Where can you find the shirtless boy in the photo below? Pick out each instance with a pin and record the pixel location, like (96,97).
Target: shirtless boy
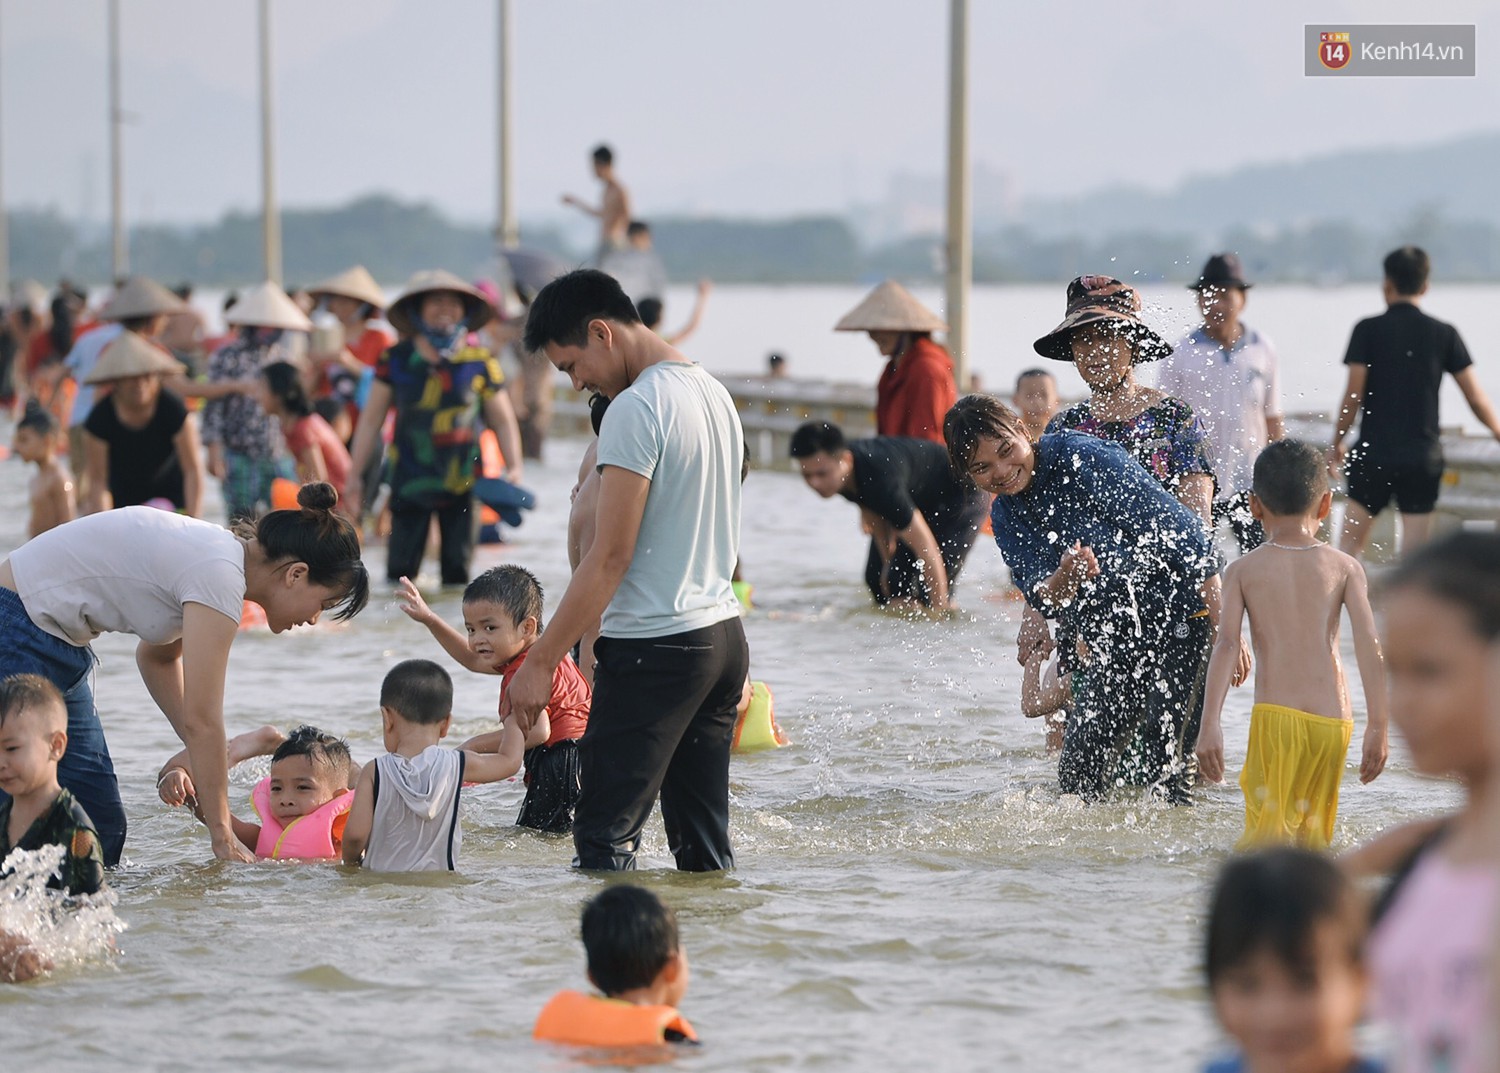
(613,212)
(51,491)
(1294,588)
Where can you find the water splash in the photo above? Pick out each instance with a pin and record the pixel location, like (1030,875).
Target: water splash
(67,931)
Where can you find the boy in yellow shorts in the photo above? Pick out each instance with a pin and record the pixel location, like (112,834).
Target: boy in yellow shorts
(1295,588)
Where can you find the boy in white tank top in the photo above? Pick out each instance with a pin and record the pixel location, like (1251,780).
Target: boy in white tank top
(405,812)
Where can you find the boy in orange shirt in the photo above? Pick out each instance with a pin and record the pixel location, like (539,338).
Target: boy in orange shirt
(503,619)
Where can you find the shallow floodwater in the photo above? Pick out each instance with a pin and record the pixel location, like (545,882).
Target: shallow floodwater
(910,892)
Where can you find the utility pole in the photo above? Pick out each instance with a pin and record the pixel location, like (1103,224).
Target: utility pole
(960,259)
(270,215)
(506,229)
(120,255)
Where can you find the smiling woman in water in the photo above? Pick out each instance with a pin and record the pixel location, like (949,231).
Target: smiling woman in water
(1095,543)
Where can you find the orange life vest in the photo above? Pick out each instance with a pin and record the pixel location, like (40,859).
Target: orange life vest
(592,1021)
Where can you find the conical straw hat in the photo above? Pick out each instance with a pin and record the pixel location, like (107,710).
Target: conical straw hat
(356,283)
(141,297)
(266,305)
(131,355)
(890,307)
(403,312)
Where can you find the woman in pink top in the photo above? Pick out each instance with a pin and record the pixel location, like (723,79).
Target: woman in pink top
(320,454)
(1432,951)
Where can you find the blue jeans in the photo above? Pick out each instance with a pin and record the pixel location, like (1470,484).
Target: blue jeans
(85,768)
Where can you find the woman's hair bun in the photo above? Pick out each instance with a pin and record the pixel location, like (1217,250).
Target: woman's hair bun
(317,495)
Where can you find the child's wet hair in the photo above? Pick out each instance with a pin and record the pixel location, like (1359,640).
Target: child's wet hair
(1274,900)
(629,934)
(37,419)
(285,383)
(598,404)
(1290,477)
(32,693)
(509,586)
(317,535)
(419,691)
(323,749)
(1463,569)
(974,418)
(650,310)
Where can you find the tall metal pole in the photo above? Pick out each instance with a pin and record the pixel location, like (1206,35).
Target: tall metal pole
(960,247)
(4,228)
(270,215)
(506,229)
(120,256)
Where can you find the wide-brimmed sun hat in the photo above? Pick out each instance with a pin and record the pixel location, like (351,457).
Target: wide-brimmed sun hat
(1222,270)
(131,355)
(141,297)
(890,307)
(404,310)
(266,305)
(1092,299)
(356,283)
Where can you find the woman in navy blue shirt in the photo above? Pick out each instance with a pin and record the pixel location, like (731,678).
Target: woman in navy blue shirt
(1094,541)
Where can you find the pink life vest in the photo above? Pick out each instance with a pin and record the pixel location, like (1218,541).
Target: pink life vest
(307,838)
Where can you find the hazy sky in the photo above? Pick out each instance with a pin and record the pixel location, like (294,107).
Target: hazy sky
(746,107)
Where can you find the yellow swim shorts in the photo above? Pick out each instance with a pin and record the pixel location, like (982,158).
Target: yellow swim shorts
(1291,776)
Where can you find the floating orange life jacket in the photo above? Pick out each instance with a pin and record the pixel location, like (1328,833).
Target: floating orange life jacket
(592,1021)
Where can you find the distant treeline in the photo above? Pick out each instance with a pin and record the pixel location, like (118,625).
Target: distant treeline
(393,239)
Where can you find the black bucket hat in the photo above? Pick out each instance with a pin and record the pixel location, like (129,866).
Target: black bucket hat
(1222,270)
(1095,298)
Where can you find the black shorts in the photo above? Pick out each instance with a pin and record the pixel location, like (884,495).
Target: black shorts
(552,787)
(1374,483)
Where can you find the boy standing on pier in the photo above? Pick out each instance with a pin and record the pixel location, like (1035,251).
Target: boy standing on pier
(1396,365)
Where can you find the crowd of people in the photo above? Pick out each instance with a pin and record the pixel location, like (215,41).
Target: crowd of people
(1106,513)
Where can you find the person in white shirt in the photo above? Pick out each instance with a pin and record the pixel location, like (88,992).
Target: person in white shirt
(1229,374)
(179,584)
(671,660)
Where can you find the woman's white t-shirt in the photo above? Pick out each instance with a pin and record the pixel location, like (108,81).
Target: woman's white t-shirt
(129,570)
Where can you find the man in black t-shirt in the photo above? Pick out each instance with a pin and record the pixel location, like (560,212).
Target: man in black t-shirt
(922,520)
(1396,364)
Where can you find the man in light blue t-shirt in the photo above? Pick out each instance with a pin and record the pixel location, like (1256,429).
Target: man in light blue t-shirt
(671,659)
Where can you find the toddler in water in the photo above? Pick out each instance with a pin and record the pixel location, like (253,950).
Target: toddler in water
(503,619)
(1285,964)
(34,810)
(1431,954)
(302,805)
(637,960)
(405,814)
(1294,587)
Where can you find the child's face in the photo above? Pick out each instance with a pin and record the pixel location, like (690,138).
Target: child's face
(1036,396)
(300,786)
(494,635)
(30,445)
(1435,663)
(1294,1018)
(29,752)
